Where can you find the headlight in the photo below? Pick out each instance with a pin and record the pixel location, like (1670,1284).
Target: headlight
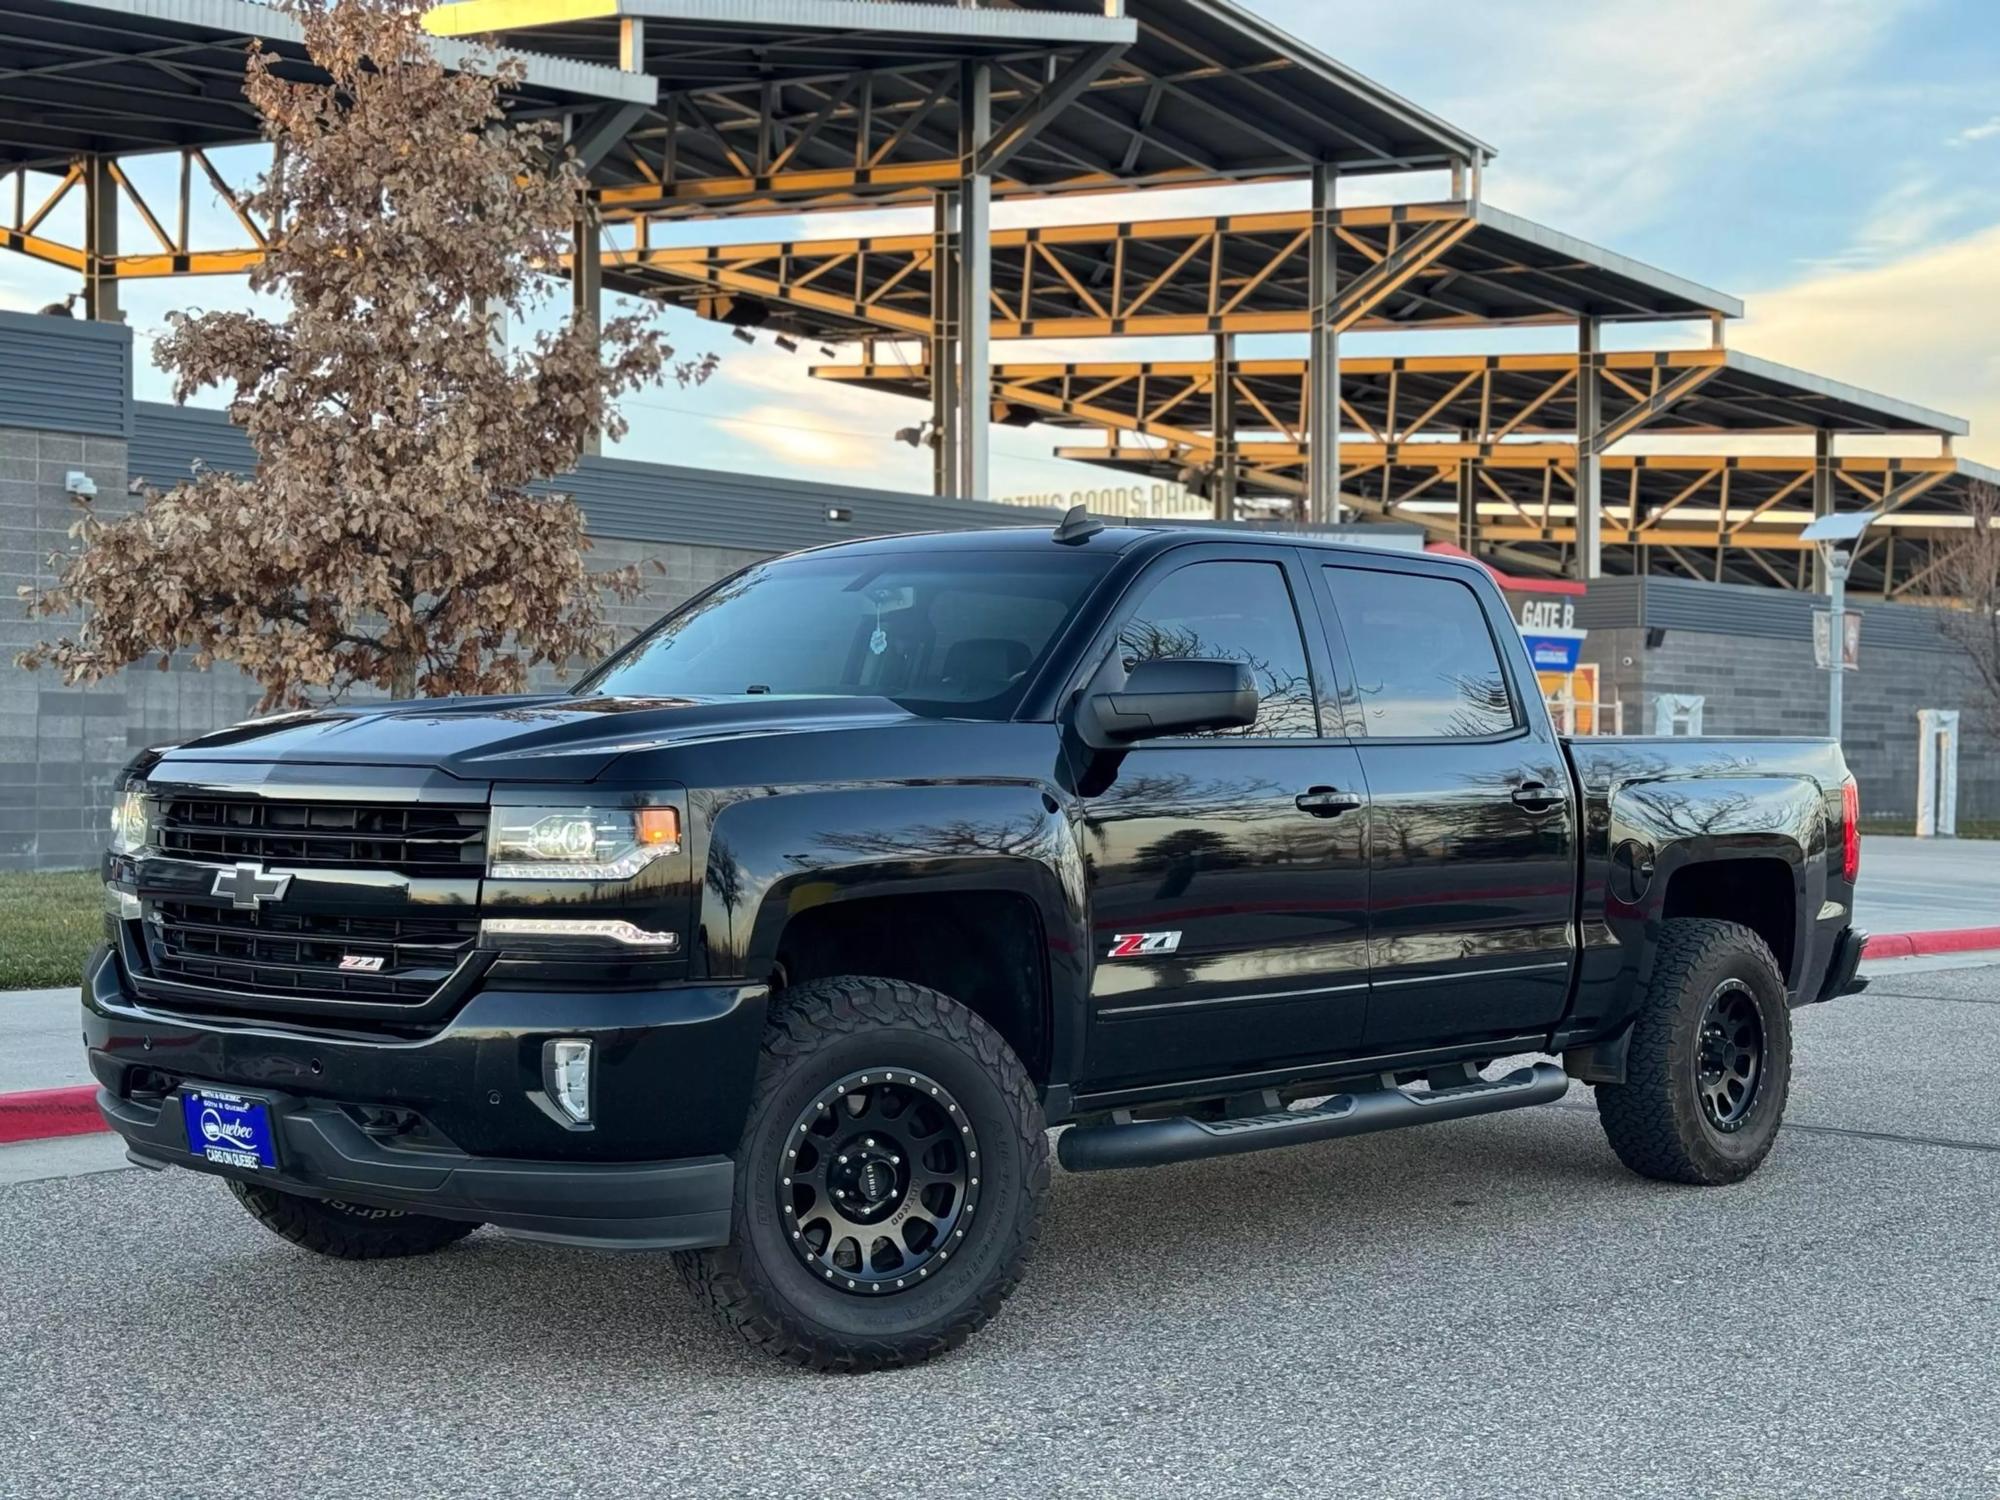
(131,822)
(580,843)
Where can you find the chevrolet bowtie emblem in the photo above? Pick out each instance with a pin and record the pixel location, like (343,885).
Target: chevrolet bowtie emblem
(249,887)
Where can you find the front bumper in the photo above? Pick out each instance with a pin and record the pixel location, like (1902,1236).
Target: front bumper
(455,1124)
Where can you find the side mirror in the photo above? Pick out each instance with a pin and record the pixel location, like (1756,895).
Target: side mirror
(1162,698)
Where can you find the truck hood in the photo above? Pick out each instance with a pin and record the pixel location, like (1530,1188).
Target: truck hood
(555,738)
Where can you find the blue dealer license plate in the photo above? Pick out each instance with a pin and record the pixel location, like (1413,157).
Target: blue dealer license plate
(229,1129)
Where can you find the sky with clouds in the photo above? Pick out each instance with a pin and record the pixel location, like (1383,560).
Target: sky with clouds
(1836,163)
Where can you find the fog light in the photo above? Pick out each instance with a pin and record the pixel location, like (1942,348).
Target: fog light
(566,1076)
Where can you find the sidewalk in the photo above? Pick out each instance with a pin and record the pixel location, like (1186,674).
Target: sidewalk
(41,1042)
(1927,885)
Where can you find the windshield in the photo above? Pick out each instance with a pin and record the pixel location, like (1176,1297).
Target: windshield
(947,634)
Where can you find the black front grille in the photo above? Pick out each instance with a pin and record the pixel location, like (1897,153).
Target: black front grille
(270,951)
(411,840)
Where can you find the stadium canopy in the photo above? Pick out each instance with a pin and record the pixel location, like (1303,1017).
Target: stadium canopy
(1429,265)
(1483,399)
(108,77)
(789,103)
(84,83)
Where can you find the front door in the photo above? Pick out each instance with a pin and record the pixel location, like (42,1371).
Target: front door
(1228,872)
(1472,833)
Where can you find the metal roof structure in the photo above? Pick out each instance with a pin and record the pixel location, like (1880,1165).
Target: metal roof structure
(1483,398)
(1729,518)
(114,76)
(1482,449)
(86,82)
(687,109)
(1427,265)
(769,103)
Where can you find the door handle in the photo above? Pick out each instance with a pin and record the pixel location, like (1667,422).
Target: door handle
(1536,798)
(1325,802)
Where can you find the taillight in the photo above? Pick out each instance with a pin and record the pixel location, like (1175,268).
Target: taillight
(1850,833)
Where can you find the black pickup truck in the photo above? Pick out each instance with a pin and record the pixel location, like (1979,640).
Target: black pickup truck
(782,940)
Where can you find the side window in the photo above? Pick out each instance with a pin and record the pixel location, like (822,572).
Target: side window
(1425,664)
(1230,611)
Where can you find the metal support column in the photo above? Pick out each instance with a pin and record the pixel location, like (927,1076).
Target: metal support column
(1467,489)
(975,283)
(1589,458)
(1322,421)
(1822,501)
(1222,421)
(100,241)
(1836,562)
(944,353)
(586,286)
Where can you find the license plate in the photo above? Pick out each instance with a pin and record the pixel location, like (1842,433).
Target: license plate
(229,1129)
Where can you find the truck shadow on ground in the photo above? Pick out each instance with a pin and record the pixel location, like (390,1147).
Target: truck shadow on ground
(1222,1237)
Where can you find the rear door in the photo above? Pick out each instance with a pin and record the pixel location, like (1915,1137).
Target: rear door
(1472,829)
(1227,870)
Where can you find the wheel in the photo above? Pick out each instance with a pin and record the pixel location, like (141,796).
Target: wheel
(889,1183)
(1710,1063)
(346,1231)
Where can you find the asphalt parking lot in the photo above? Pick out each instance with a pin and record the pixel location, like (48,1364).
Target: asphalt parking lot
(1486,1308)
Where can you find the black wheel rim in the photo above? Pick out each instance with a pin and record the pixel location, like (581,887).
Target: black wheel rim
(1730,1063)
(878,1181)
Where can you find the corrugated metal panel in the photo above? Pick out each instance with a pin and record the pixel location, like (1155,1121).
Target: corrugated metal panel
(65,375)
(1612,604)
(643,502)
(703,507)
(1740,609)
(167,441)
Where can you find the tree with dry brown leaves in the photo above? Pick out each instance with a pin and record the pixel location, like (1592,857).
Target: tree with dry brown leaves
(390,534)
(1966,580)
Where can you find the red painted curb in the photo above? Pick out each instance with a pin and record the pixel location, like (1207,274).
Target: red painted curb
(41,1114)
(1919,944)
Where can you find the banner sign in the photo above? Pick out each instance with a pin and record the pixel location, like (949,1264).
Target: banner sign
(1850,640)
(1554,650)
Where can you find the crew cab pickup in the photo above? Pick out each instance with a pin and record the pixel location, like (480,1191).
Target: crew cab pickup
(782,941)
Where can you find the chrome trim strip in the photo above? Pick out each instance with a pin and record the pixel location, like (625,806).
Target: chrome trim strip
(1472,974)
(1111,1011)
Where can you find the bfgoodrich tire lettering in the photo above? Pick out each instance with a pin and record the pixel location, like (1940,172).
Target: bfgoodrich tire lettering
(822,1038)
(346,1231)
(1710,1063)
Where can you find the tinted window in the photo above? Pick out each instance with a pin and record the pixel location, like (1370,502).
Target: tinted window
(1230,611)
(953,635)
(1424,661)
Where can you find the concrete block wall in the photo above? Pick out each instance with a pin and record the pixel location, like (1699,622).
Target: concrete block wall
(60,747)
(1761,686)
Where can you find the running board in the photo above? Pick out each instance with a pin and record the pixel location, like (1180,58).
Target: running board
(1157,1143)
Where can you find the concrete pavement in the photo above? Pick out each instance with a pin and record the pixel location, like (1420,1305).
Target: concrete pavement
(1927,885)
(1491,1307)
(41,1043)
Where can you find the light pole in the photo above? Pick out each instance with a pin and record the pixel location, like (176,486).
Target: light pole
(1837,537)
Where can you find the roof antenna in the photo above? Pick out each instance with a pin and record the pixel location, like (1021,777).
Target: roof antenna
(1078,526)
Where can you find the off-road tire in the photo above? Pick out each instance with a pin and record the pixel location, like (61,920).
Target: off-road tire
(346,1231)
(819,1034)
(1655,1120)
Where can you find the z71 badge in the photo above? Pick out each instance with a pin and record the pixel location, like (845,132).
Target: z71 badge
(366,963)
(1140,944)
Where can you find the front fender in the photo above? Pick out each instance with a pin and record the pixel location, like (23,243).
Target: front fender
(776,852)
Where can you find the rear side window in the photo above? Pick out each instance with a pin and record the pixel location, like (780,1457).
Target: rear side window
(1425,663)
(1230,611)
